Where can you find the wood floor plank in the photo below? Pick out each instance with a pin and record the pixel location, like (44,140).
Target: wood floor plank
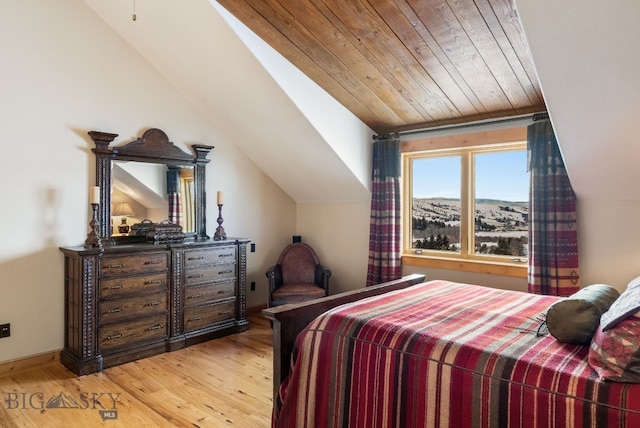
(222,382)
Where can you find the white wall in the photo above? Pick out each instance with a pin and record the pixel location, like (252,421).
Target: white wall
(64,73)
(609,241)
(339,233)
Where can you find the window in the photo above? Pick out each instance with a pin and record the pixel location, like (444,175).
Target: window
(467,204)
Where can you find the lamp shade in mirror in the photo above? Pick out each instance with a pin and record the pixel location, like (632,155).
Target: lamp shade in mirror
(124,210)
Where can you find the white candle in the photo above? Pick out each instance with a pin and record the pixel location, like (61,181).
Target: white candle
(94,195)
(219,197)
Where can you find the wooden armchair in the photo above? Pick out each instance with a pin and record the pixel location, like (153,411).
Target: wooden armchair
(297,276)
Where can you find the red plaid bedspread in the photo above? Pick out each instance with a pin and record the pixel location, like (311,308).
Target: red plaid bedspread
(443,354)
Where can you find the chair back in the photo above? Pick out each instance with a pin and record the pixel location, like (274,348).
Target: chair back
(298,262)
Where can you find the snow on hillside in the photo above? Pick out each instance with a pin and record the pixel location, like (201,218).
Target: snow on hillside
(493,215)
(494,220)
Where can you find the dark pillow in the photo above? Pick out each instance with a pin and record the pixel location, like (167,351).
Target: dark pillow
(576,318)
(615,354)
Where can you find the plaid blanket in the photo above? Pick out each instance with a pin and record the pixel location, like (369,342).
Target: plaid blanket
(443,354)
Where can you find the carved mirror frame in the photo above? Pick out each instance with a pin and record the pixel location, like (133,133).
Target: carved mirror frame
(153,147)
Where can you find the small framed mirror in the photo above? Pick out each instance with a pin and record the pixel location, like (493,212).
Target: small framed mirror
(149,179)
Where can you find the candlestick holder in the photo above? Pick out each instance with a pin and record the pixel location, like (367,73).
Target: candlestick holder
(220,234)
(93,238)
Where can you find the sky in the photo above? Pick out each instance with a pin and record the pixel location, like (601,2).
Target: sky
(499,175)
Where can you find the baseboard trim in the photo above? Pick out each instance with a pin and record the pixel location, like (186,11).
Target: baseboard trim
(33,361)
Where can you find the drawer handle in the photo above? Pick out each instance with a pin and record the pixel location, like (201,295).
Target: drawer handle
(222,272)
(155,327)
(153,304)
(224,312)
(115,287)
(195,258)
(224,291)
(156,281)
(195,319)
(194,296)
(154,262)
(115,310)
(121,265)
(115,336)
(195,276)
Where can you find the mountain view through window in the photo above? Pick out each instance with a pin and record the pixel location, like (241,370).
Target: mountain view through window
(497,183)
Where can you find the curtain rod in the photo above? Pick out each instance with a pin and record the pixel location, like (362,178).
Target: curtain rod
(489,123)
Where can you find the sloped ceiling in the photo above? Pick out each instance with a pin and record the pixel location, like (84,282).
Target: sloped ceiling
(435,62)
(585,56)
(405,64)
(195,49)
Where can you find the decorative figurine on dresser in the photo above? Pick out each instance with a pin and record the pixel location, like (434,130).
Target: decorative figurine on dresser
(163,286)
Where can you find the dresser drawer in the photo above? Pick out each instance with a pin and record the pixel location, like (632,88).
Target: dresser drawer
(209,256)
(116,287)
(201,316)
(132,264)
(200,274)
(208,293)
(113,336)
(132,307)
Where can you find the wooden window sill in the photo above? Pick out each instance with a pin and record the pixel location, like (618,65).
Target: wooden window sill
(475,266)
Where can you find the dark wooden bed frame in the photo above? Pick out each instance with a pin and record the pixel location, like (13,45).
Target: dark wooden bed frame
(289,320)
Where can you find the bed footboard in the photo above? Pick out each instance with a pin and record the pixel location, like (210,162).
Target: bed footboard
(289,320)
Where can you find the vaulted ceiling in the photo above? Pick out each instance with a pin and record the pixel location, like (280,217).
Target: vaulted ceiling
(401,65)
(585,55)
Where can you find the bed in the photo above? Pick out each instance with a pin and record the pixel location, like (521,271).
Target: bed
(436,354)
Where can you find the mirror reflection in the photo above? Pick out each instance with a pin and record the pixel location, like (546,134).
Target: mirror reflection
(151,191)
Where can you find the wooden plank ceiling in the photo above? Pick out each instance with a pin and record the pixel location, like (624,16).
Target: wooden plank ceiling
(400,65)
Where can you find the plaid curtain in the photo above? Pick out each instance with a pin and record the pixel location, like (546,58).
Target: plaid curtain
(188,213)
(384,231)
(553,235)
(173,196)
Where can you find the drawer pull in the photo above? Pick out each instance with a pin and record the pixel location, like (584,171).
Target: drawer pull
(155,327)
(154,262)
(115,287)
(224,291)
(194,296)
(118,266)
(223,272)
(157,281)
(195,319)
(115,336)
(224,312)
(195,258)
(115,310)
(195,276)
(153,304)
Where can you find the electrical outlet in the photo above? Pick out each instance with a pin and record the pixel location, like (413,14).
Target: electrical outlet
(5,330)
(253,286)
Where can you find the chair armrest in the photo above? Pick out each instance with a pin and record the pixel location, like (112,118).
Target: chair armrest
(274,275)
(322,275)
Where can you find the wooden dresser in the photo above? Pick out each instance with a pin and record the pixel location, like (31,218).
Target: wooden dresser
(131,301)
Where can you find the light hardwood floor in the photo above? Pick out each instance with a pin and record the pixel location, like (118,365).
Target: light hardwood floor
(224,382)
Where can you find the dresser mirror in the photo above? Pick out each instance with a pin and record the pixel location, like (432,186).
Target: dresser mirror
(143,191)
(149,178)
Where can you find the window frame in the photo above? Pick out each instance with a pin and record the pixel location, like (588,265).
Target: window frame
(465,146)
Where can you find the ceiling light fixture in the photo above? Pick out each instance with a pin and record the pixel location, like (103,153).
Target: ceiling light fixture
(133,16)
